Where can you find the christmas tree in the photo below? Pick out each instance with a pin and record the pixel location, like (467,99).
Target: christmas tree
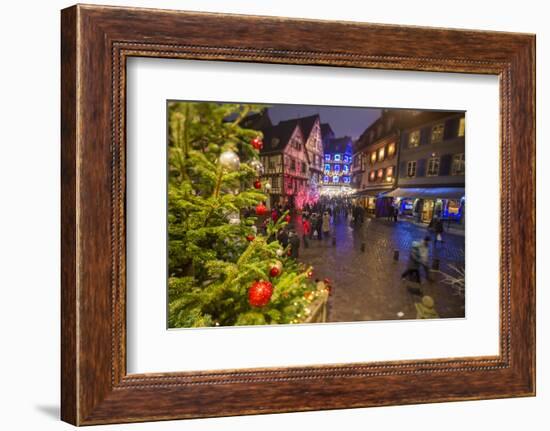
(225,265)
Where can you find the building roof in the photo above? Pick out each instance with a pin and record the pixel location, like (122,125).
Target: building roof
(306,124)
(257,121)
(403,119)
(326,130)
(338,145)
(276,138)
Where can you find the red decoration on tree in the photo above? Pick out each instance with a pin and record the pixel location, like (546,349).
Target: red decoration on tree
(250,237)
(275,269)
(287,218)
(310,274)
(257,184)
(260,293)
(261,209)
(257,143)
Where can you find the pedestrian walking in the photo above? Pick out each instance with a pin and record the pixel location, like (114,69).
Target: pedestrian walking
(418,257)
(326,224)
(294,242)
(306,226)
(438,230)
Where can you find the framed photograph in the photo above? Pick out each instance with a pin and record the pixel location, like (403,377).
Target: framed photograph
(266,215)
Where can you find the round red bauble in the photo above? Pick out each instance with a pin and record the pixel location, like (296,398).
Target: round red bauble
(261,209)
(250,237)
(257,143)
(287,218)
(275,269)
(257,184)
(260,293)
(310,274)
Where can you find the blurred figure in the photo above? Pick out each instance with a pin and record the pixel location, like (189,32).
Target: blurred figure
(326,224)
(418,257)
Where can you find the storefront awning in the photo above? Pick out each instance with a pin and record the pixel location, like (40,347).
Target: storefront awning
(368,193)
(428,193)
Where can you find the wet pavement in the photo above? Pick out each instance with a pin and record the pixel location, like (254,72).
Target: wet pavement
(367,284)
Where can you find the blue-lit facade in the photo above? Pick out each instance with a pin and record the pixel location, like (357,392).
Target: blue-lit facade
(337,162)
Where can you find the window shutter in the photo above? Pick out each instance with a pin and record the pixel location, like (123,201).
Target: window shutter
(451,128)
(421,168)
(425,136)
(445,164)
(403,169)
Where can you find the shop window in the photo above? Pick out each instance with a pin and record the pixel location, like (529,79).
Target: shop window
(453,208)
(459,164)
(411,169)
(462,126)
(372,175)
(414,139)
(389,174)
(437,133)
(433,166)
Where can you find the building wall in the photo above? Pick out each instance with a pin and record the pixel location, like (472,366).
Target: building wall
(443,150)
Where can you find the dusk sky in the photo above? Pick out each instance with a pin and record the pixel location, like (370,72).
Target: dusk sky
(343,121)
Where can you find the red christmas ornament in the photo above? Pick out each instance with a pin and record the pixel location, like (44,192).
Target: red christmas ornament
(250,237)
(287,218)
(257,184)
(260,293)
(257,143)
(261,210)
(310,274)
(275,269)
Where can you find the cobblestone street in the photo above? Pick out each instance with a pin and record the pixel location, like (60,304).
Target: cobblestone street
(367,285)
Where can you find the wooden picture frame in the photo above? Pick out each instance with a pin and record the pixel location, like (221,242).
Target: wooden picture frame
(96,41)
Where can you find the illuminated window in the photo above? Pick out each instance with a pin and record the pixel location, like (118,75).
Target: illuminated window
(336,168)
(391,149)
(389,174)
(414,139)
(373,157)
(347,180)
(381,154)
(325,179)
(345,168)
(461,126)
(372,175)
(411,169)
(380,173)
(335,179)
(437,132)
(433,166)
(327,167)
(459,164)
(337,157)
(327,157)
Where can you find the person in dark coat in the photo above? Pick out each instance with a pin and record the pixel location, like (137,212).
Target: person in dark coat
(438,230)
(294,241)
(282,237)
